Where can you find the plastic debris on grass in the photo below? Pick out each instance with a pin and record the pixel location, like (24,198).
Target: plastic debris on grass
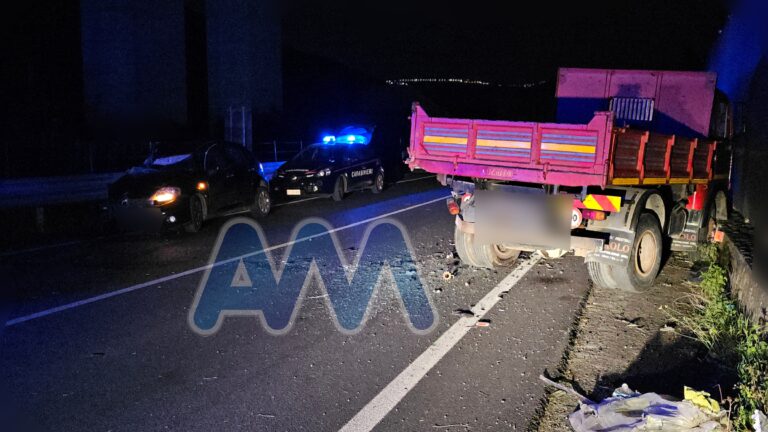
(629,411)
(760,421)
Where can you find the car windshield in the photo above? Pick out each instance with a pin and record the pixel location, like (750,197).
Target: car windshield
(171,156)
(170,160)
(316,153)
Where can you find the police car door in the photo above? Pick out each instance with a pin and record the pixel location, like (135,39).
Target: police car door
(361,170)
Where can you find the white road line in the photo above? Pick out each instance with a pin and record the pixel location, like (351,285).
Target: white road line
(395,391)
(297,201)
(168,278)
(40,248)
(75,242)
(318,197)
(415,179)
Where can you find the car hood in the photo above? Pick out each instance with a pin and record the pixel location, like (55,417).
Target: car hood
(140,182)
(301,167)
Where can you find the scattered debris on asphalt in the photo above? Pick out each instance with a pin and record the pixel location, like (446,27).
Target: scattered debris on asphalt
(464,425)
(464,313)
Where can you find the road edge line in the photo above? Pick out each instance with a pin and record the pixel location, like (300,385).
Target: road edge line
(110,294)
(388,398)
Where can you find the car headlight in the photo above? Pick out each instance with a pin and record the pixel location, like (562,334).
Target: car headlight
(323,173)
(165,195)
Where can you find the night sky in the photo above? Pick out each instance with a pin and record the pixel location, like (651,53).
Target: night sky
(342,48)
(504,43)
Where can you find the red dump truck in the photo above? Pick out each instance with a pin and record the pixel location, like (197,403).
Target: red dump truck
(638,162)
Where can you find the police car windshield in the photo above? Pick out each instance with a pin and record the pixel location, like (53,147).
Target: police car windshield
(316,153)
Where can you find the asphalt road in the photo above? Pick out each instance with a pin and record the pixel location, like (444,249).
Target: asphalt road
(97,335)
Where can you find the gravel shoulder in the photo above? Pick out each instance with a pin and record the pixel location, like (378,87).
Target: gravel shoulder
(631,338)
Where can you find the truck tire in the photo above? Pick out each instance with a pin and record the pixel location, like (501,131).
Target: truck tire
(709,223)
(482,255)
(601,275)
(503,256)
(645,260)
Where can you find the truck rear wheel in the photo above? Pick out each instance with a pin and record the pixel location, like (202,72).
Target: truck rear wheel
(482,255)
(645,260)
(504,256)
(601,275)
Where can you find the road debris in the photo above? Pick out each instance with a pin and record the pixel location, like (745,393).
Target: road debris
(759,421)
(464,313)
(627,410)
(483,323)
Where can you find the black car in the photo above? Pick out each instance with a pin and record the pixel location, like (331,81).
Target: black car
(185,184)
(332,168)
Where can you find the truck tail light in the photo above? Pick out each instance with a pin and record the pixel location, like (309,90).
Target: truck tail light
(453,208)
(594,215)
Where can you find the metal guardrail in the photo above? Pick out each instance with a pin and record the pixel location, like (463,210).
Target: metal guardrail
(47,191)
(44,191)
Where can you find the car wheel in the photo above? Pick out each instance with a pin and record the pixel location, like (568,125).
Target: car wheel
(378,182)
(339,189)
(196,215)
(262,202)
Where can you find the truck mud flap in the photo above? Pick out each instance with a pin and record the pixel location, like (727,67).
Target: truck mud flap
(616,252)
(688,240)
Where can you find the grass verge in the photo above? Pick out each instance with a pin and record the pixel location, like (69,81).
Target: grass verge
(716,320)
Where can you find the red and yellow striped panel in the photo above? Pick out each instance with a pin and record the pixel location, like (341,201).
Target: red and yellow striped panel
(599,202)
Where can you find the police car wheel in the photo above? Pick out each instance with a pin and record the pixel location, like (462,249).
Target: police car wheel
(339,189)
(378,183)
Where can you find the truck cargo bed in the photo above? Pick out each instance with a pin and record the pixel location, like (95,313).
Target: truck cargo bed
(593,154)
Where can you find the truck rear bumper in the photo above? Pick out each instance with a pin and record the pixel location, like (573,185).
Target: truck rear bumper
(581,246)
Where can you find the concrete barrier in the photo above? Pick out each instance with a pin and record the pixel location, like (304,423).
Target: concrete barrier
(751,292)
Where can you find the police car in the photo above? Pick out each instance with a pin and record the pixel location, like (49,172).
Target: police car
(340,164)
